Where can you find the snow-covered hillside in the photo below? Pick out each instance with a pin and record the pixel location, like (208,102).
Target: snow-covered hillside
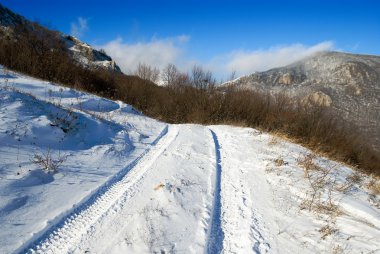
(126,183)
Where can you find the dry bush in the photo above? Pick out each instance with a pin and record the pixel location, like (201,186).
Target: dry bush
(308,165)
(326,231)
(273,141)
(322,183)
(47,161)
(355,177)
(374,186)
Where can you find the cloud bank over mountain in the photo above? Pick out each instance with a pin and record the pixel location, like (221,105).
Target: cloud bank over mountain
(160,52)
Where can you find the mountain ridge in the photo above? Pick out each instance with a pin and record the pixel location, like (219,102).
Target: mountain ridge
(349,83)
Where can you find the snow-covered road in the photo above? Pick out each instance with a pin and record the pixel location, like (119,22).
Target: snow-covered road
(132,184)
(171,209)
(185,194)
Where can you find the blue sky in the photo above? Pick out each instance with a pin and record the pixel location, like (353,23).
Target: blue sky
(223,36)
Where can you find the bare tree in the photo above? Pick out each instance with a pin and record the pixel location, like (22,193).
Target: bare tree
(232,76)
(147,72)
(183,79)
(170,75)
(202,79)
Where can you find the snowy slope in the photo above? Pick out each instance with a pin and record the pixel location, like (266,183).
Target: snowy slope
(131,184)
(31,115)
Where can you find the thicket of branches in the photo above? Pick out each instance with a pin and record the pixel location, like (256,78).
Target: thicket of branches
(189,98)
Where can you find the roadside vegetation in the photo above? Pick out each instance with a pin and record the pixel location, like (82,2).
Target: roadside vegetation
(192,97)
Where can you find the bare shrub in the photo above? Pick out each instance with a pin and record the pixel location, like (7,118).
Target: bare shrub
(307,163)
(326,231)
(147,72)
(273,141)
(48,162)
(322,183)
(374,186)
(354,178)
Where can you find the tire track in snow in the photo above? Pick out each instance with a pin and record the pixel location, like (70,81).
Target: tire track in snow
(242,224)
(215,233)
(63,236)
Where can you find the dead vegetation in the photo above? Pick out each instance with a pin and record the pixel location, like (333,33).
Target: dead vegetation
(49,162)
(273,141)
(322,183)
(191,98)
(326,231)
(319,198)
(374,186)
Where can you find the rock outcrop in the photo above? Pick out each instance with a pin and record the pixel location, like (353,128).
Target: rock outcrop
(317,99)
(88,56)
(286,79)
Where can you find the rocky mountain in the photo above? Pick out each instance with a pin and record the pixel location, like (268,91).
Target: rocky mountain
(88,56)
(80,52)
(348,83)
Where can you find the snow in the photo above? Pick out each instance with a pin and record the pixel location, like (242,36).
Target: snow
(97,149)
(131,184)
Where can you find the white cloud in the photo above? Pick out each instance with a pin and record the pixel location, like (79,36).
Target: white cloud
(160,52)
(183,38)
(79,27)
(245,62)
(157,52)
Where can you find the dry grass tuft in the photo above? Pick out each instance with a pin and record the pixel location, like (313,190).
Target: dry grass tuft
(326,231)
(354,178)
(374,186)
(308,165)
(273,141)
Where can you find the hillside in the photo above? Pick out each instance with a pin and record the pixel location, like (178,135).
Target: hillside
(80,52)
(348,83)
(128,183)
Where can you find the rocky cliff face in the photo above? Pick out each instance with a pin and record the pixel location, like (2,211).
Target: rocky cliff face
(348,83)
(88,56)
(80,52)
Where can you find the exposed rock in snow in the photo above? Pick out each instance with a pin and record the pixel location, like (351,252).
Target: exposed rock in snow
(88,56)
(286,79)
(318,98)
